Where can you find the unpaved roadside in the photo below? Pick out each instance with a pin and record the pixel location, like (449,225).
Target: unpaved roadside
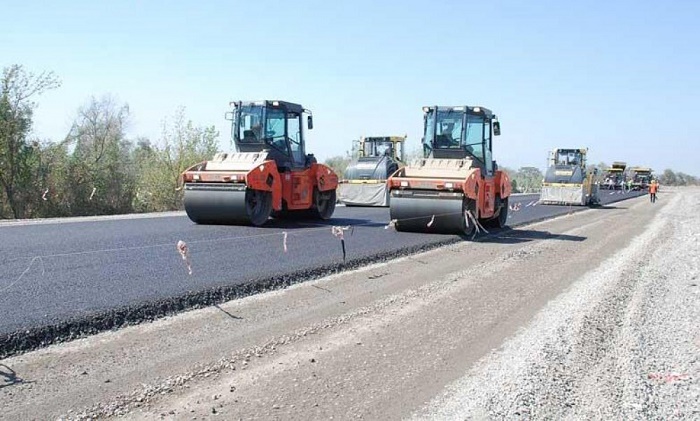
(622,343)
(375,343)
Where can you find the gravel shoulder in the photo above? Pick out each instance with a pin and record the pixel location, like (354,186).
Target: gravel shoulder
(622,343)
(516,325)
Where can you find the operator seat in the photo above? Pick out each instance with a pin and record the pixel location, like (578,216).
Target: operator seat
(249,136)
(443,141)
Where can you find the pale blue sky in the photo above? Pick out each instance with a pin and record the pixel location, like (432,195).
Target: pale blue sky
(618,77)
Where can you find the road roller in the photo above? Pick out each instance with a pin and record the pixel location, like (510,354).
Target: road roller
(568,181)
(364,180)
(456,184)
(269,173)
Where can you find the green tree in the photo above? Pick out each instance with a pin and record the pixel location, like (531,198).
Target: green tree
(339,163)
(17,156)
(101,181)
(182,145)
(528,179)
(691,180)
(668,178)
(681,179)
(51,176)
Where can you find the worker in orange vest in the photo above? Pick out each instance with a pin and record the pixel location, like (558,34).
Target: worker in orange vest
(653,188)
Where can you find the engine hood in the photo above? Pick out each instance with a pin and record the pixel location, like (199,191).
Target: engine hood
(236,161)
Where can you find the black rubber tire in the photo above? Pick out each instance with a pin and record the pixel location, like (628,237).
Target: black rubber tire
(468,228)
(324,203)
(501,220)
(258,206)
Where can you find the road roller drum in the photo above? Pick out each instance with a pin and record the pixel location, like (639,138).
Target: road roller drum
(429,214)
(216,204)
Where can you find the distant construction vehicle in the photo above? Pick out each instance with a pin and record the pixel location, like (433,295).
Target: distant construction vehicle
(640,177)
(364,180)
(457,184)
(567,181)
(269,173)
(614,177)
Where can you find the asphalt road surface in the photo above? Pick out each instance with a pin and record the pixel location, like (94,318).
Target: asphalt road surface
(52,271)
(588,316)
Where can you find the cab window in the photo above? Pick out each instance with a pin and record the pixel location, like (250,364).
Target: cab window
(474,136)
(275,129)
(295,144)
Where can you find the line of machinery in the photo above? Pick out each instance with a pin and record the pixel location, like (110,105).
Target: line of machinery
(621,177)
(454,187)
(569,180)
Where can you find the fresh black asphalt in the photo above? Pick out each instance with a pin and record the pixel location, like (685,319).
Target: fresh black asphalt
(63,280)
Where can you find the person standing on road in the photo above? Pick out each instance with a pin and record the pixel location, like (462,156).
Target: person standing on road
(653,188)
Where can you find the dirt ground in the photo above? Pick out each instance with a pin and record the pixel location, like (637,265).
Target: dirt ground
(590,315)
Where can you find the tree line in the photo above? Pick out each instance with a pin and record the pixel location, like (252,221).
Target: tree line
(671,178)
(96,169)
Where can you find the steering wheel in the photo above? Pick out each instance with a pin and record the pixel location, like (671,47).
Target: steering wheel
(279,143)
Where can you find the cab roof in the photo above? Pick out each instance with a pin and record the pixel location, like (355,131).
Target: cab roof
(472,109)
(289,106)
(580,150)
(393,139)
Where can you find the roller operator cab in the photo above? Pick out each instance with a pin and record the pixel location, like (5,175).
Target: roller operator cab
(364,180)
(457,182)
(269,173)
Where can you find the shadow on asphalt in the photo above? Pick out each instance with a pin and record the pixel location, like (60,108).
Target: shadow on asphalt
(516,236)
(606,207)
(301,222)
(353,222)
